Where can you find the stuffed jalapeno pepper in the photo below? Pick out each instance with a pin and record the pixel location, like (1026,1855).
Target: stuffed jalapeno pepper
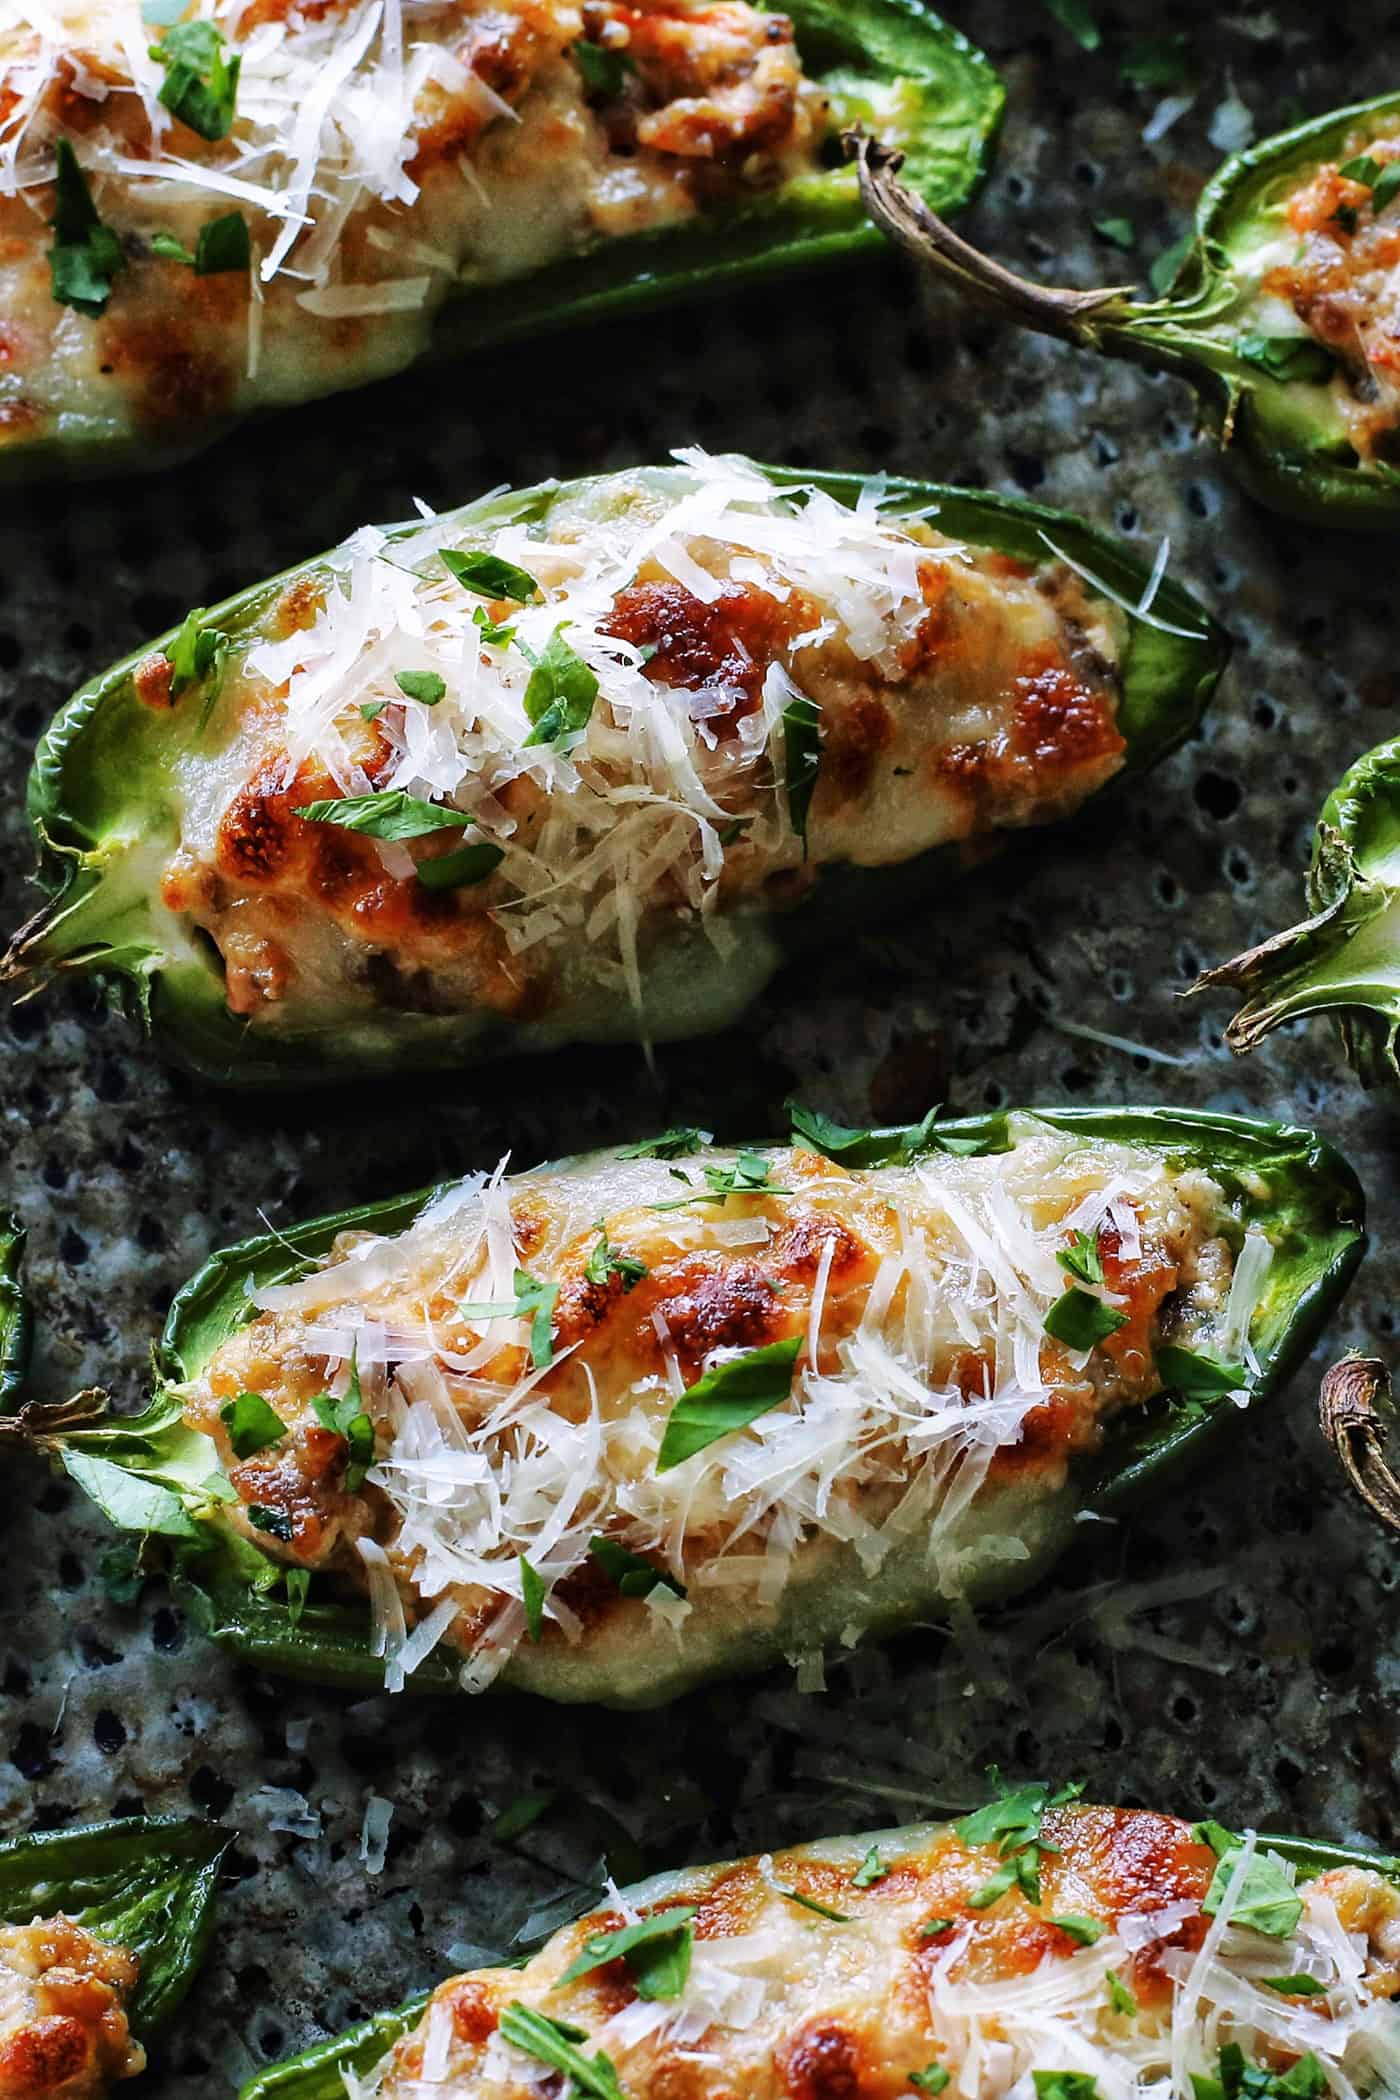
(1344,959)
(585,762)
(1281,313)
(220,208)
(635,1419)
(101,1929)
(1038,1946)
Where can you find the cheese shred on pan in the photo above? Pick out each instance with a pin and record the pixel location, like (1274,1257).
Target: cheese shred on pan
(535,1361)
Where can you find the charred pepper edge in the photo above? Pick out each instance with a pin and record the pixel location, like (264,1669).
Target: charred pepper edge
(16,1332)
(106,1876)
(329,1641)
(725,250)
(1167,681)
(1298,481)
(314,2074)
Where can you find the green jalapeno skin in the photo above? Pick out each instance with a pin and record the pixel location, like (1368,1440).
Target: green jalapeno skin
(147,1884)
(1285,440)
(315,2073)
(953,103)
(1344,958)
(151,1472)
(14,1315)
(101,808)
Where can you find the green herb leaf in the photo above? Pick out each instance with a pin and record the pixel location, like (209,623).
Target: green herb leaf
(554,2043)
(605,1261)
(533,1591)
(559,698)
(802,757)
(1074,16)
(604,70)
(372,709)
(929,1136)
(1120,1998)
(632,1575)
(1385,185)
(1064,2085)
(1013,1821)
(169,249)
(1119,231)
(195,654)
(1086,1931)
(656,1950)
(727,1399)
(751,1175)
(489,576)
(86,254)
(931,2080)
(821,1910)
(1081,1258)
(1295,1986)
(1290,359)
(275,1522)
(672,1144)
(347,1417)
(821,1134)
(389,814)
(935,1927)
(521,1814)
(1362,169)
(492,631)
(1266,1900)
(121,1572)
(298,1581)
(1082,1322)
(869,1871)
(1164,63)
(424,686)
(251,1424)
(1197,1376)
(534,1301)
(223,244)
(992,1891)
(201,77)
(459,871)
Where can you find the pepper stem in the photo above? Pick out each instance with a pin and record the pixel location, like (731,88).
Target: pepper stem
(43,1421)
(1351,1393)
(899,211)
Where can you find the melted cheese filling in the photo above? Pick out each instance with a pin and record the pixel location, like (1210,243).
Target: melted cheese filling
(924,1379)
(784,2004)
(385,154)
(63,2027)
(954,693)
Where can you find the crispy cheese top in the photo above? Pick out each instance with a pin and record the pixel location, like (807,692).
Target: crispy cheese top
(63,2026)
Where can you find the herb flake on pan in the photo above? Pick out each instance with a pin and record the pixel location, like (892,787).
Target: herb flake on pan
(201,77)
(86,254)
(1119,232)
(488,575)
(726,1399)
(555,2042)
(656,1950)
(251,1424)
(389,814)
(534,1301)
(1076,17)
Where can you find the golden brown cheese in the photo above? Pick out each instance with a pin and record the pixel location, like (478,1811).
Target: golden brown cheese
(915,1975)
(499,156)
(947,1328)
(63,2024)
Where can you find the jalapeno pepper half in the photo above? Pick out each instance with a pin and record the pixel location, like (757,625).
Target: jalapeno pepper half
(1289,405)
(157,1474)
(108,795)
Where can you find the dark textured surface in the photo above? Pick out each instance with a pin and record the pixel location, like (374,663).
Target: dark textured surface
(1261,1682)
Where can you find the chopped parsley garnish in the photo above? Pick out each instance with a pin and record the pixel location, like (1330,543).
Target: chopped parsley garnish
(1295,1986)
(929,1136)
(1120,1998)
(931,2080)
(347,1417)
(1266,1900)
(1287,358)
(1074,16)
(492,631)
(1197,1376)
(275,1522)
(750,1175)
(1381,179)
(632,1575)
(521,1815)
(534,1301)
(426,687)
(1119,231)
(555,2042)
(822,1910)
(604,70)
(86,254)
(605,1261)
(489,576)
(934,1928)
(201,77)
(1013,1822)
(559,698)
(672,1144)
(389,814)
(298,1586)
(251,1424)
(533,1591)
(821,1134)
(372,709)
(1238,2079)
(1086,1931)
(1064,2085)
(1082,1321)
(726,1399)
(1081,1258)
(869,1871)
(195,654)
(458,871)
(223,244)
(802,757)
(656,1950)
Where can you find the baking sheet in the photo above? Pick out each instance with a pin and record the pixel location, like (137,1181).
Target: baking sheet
(1232,1652)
